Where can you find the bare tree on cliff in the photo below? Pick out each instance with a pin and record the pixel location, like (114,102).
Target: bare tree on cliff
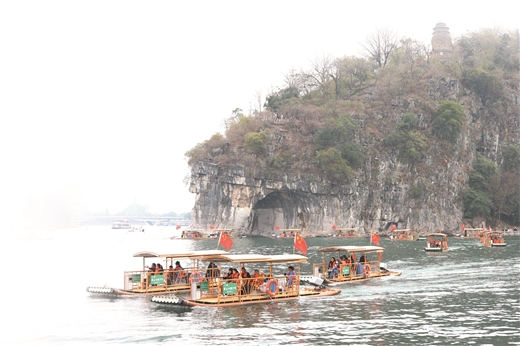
(379,45)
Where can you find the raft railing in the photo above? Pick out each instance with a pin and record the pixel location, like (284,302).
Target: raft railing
(146,281)
(247,288)
(347,272)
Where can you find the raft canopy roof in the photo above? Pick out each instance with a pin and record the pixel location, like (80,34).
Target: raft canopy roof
(254,258)
(192,254)
(351,249)
(438,235)
(403,230)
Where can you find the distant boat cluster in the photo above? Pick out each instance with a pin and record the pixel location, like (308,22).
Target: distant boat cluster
(125,224)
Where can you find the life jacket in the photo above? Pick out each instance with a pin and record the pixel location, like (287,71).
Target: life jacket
(256,280)
(179,271)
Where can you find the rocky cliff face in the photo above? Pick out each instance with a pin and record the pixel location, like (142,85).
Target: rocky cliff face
(254,203)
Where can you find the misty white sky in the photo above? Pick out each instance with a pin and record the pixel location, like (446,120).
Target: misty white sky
(107,96)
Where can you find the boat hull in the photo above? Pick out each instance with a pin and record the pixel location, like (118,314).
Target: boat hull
(434,249)
(236,301)
(109,291)
(341,281)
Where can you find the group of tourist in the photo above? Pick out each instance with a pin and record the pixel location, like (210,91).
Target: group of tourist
(335,265)
(287,235)
(244,280)
(173,275)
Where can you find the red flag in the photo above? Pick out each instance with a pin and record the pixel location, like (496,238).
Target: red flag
(392,227)
(300,244)
(225,241)
(375,239)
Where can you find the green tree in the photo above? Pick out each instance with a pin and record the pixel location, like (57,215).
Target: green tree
(333,165)
(411,143)
(275,100)
(511,156)
(476,203)
(447,122)
(256,142)
(336,132)
(483,83)
(481,173)
(414,146)
(503,188)
(353,153)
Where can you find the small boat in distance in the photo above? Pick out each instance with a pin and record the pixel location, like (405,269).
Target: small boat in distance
(493,239)
(471,233)
(192,234)
(264,286)
(436,242)
(346,269)
(121,224)
(347,232)
(196,234)
(408,234)
(146,282)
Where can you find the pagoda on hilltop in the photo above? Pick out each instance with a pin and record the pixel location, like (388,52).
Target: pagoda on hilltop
(442,47)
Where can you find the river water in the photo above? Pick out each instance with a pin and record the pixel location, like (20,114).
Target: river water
(469,295)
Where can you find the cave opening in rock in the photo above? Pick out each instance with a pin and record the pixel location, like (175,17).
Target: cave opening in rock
(281,208)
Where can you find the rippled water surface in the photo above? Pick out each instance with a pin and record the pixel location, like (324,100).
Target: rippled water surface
(469,295)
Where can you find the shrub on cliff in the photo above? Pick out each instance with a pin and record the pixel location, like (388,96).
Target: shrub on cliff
(476,203)
(447,121)
(333,165)
(353,153)
(336,132)
(482,171)
(255,142)
(511,156)
(483,83)
(410,143)
(207,149)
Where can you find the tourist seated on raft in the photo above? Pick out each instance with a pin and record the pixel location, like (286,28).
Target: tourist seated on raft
(235,276)
(344,260)
(361,265)
(170,277)
(212,271)
(246,282)
(159,268)
(229,274)
(332,269)
(152,268)
(256,282)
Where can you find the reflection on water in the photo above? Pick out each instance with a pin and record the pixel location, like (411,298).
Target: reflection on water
(467,295)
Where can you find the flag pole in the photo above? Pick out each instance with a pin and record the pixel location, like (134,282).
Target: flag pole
(220,235)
